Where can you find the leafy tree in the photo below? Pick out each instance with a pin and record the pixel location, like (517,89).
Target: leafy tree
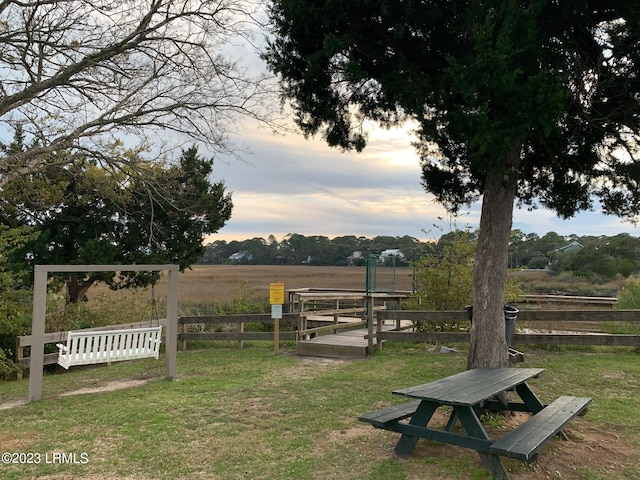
(535,102)
(78,73)
(629,295)
(87,214)
(604,258)
(15,298)
(444,277)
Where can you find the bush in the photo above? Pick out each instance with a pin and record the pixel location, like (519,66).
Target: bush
(629,296)
(8,368)
(444,280)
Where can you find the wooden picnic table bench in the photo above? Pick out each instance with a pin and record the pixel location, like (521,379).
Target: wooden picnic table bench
(468,394)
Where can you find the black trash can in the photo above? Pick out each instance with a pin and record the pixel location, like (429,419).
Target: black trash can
(510,317)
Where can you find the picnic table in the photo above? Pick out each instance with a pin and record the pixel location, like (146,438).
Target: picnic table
(468,394)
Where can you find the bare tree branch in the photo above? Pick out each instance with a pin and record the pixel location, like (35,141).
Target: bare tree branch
(79,73)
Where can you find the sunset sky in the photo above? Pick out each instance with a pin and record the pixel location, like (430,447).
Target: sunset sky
(292,185)
(289,184)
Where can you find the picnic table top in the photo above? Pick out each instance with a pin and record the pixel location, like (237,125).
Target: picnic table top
(471,387)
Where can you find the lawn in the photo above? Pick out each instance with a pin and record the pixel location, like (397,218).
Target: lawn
(250,414)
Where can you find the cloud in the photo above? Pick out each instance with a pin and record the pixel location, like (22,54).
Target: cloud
(289,184)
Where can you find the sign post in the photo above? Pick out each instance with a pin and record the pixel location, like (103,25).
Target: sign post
(276,299)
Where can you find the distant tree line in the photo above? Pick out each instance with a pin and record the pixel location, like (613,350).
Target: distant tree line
(588,256)
(596,256)
(296,249)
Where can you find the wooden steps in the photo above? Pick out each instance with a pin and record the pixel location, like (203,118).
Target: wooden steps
(347,345)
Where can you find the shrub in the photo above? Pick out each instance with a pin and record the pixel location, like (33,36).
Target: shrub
(444,280)
(629,296)
(8,368)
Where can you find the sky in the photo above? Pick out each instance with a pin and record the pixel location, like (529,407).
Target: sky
(288,184)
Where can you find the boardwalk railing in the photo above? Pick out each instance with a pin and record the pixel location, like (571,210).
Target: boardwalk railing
(548,327)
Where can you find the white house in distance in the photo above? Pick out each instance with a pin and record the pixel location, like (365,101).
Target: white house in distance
(241,256)
(356,257)
(391,253)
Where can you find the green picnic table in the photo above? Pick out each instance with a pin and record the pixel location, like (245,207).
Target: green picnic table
(468,394)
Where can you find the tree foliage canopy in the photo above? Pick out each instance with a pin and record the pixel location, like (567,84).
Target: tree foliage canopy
(86,214)
(533,101)
(558,82)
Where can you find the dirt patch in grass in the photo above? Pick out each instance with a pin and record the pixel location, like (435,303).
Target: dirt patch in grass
(108,387)
(12,404)
(588,448)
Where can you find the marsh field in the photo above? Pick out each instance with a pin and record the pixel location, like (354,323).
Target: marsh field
(223,283)
(218,289)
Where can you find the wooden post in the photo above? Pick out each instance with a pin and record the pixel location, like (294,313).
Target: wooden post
(37,332)
(303,318)
(370,324)
(276,299)
(183,343)
(240,329)
(378,331)
(19,356)
(171,351)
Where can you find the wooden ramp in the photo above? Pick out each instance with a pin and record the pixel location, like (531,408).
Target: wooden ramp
(348,345)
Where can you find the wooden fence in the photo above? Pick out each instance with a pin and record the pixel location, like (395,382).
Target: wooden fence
(238,322)
(548,327)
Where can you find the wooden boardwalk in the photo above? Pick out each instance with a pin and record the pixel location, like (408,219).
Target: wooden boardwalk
(348,345)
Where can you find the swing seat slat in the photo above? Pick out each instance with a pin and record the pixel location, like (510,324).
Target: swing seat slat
(103,346)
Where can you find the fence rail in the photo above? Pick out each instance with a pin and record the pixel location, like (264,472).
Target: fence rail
(539,322)
(570,299)
(558,320)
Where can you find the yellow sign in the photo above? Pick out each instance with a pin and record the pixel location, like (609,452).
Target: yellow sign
(276,293)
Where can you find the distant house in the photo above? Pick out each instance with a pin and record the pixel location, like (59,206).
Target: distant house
(356,257)
(242,256)
(391,253)
(573,247)
(569,249)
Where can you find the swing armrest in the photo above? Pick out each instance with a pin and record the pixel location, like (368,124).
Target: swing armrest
(61,347)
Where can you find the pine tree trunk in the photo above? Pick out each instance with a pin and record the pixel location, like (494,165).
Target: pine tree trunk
(488,346)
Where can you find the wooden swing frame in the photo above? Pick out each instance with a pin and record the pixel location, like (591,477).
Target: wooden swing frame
(40,306)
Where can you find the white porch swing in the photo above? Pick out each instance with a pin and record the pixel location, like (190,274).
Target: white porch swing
(87,347)
(104,346)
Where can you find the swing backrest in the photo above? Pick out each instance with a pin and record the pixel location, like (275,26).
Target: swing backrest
(89,347)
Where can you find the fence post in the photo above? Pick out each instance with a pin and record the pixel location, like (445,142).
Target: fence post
(370,324)
(19,356)
(183,343)
(378,332)
(240,330)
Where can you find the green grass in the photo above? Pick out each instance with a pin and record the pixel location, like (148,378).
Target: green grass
(250,414)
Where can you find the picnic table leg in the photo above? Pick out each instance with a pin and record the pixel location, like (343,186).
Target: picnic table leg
(423,414)
(530,399)
(451,423)
(474,429)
